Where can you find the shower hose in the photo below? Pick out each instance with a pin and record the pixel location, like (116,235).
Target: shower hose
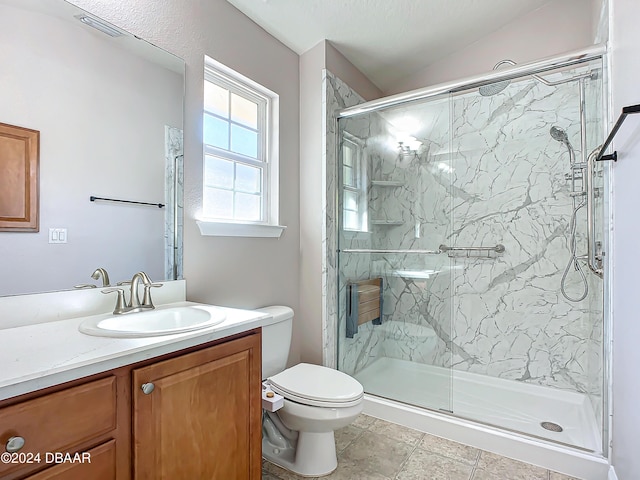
(573,259)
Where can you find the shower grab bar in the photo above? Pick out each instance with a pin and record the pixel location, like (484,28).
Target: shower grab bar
(614,156)
(366,250)
(499,248)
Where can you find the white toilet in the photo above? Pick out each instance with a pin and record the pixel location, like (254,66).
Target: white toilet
(317,401)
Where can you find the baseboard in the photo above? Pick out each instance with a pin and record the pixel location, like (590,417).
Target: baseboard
(612,474)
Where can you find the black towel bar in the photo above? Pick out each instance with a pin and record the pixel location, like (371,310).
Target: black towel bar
(93,199)
(614,156)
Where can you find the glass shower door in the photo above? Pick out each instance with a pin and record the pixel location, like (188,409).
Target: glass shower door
(527,315)
(394,325)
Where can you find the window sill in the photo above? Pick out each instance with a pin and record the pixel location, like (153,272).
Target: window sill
(222,229)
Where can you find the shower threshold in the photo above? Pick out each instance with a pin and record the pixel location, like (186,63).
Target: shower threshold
(508,404)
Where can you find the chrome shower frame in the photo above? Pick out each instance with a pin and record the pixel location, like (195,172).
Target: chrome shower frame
(476,81)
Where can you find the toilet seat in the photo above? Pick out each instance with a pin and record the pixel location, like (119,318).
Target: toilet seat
(317,386)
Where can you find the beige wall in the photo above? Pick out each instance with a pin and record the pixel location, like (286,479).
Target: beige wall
(342,68)
(307,331)
(554,28)
(308,328)
(240,272)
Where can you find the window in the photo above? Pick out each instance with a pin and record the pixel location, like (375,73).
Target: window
(240,163)
(354,183)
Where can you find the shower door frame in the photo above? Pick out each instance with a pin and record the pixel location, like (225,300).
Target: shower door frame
(330,253)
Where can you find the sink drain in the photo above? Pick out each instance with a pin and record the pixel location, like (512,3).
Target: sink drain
(554,427)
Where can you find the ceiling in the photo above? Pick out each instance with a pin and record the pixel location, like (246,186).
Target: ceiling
(387,40)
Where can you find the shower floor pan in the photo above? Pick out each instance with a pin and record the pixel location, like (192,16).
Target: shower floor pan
(515,406)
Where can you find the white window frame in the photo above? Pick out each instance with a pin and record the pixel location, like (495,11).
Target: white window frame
(267,157)
(360,187)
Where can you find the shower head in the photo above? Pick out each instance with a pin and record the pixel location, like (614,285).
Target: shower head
(493,88)
(559,134)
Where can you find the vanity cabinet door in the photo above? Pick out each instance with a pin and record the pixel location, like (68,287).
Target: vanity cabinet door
(199,415)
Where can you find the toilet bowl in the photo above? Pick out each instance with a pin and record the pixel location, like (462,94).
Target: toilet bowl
(317,401)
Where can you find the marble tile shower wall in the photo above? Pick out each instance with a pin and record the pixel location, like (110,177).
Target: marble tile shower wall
(511,320)
(417,304)
(174,193)
(359,351)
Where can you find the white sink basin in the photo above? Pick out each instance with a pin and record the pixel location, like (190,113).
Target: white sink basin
(161,321)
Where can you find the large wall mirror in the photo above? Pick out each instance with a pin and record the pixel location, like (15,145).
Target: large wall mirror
(109,108)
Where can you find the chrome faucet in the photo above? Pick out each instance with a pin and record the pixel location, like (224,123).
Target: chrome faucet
(134,304)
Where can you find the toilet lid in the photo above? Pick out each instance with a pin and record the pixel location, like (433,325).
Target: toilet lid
(316,385)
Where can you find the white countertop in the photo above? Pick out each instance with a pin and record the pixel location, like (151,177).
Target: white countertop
(37,356)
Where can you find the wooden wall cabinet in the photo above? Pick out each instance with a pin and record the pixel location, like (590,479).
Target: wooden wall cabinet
(200,420)
(19,179)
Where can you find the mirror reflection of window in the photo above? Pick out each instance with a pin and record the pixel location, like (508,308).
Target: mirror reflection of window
(354,181)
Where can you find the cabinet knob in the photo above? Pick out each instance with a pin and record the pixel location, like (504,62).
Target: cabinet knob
(14,444)
(147,388)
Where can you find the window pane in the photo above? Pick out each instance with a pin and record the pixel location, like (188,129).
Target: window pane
(248,178)
(244,111)
(218,203)
(218,172)
(351,201)
(248,207)
(216,99)
(349,179)
(216,132)
(244,141)
(351,220)
(347,156)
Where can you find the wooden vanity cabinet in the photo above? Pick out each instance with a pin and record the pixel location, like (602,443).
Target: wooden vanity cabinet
(202,417)
(102,466)
(200,420)
(84,416)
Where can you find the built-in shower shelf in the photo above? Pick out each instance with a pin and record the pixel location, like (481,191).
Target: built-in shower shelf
(389,223)
(386,183)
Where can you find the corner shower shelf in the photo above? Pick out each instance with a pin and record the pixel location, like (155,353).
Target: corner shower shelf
(388,223)
(386,183)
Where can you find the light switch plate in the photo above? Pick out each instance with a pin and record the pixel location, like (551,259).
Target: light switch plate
(57,235)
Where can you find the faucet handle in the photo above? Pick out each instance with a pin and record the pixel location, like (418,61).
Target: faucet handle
(84,286)
(125,282)
(120,303)
(146,300)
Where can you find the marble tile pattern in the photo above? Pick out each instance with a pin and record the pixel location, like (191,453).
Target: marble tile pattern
(372,449)
(174,161)
(337,95)
(488,172)
(509,316)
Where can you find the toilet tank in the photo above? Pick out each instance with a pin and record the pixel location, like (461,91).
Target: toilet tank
(276,339)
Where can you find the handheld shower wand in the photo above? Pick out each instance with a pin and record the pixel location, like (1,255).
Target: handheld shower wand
(578,200)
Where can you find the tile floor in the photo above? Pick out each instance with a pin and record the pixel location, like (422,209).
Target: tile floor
(372,449)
